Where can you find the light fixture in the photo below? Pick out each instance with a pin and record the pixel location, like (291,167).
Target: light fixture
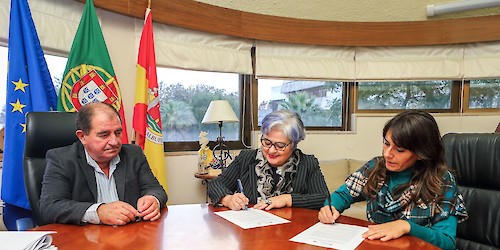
(445,8)
(220,111)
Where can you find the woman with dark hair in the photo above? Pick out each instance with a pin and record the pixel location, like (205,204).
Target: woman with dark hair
(275,175)
(409,189)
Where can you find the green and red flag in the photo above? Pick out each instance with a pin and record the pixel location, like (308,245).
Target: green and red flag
(89,75)
(147,118)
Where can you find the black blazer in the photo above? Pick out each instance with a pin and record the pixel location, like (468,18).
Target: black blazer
(69,186)
(309,187)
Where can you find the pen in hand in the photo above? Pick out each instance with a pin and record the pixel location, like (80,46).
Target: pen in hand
(241,191)
(330,205)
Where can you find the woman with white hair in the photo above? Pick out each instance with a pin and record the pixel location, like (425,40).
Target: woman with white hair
(276,175)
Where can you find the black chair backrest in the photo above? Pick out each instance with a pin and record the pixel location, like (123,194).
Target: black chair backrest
(475,160)
(44,131)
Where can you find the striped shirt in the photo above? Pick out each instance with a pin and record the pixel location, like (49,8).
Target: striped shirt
(309,186)
(106,188)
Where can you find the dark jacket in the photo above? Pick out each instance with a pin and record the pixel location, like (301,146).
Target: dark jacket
(309,187)
(69,186)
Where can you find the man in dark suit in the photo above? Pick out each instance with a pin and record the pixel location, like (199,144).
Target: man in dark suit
(97,179)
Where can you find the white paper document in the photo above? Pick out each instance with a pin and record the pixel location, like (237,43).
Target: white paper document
(26,240)
(338,236)
(251,218)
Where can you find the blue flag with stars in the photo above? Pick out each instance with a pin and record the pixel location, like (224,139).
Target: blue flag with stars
(29,88)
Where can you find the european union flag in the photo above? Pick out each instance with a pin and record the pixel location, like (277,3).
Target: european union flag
(29,88)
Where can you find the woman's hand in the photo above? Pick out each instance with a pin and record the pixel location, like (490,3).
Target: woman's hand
(236,201)
(326,216)
(387,231)
(284,200)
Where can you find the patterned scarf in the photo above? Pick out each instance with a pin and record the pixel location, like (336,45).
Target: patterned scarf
(265,180)
(385,207)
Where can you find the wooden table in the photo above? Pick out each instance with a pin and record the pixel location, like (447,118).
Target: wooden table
(197,227)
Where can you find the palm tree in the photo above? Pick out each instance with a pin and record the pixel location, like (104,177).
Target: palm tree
(178,119)
(300,102)
(304,105)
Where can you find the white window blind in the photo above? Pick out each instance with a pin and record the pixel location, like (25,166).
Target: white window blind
(409,63)
(56,22)
(278,60)
(188,49)
(482,60)
(4,16)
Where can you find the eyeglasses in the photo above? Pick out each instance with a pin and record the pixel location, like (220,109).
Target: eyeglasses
(280,146)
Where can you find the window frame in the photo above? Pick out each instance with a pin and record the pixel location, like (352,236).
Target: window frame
(455,102)
(346,108)
(466,97)
(244,129)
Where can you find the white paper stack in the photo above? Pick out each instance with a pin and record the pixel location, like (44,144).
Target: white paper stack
(27,240)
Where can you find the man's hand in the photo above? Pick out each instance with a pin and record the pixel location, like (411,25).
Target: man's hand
(148,208)
(116,213)
(236,201)
(284,200)
(326,216)
(387,231)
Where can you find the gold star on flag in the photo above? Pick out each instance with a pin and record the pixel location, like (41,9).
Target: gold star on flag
(20,85)
(17,106)
(24,127)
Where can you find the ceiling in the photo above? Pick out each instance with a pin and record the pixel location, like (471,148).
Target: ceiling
(348,10)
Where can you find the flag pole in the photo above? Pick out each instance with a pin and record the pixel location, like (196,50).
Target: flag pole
(147,11)
(147,104)
(135,134)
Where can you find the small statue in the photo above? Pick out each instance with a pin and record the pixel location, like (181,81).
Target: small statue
(205,155)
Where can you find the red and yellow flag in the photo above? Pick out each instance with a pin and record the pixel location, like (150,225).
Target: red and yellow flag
(147,119)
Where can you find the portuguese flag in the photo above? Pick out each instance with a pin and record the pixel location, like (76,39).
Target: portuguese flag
(89,75)
(147,119)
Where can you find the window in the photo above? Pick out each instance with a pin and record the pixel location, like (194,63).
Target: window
(184,98)
(483,95)
(3,81)
(184,95)
(56,65)
(386,96)
(435,96)
(321,104)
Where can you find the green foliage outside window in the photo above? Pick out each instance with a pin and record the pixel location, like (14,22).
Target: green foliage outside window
(404,95)
(183,107)
(484,94)
(319,103)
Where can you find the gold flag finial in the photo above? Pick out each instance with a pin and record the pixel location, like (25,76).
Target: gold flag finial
(149,4)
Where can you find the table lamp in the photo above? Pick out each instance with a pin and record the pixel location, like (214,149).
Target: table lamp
(220,111)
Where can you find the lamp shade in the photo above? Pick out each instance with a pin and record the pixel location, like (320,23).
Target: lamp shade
(219,111)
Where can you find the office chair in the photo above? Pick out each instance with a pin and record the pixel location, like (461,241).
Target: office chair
(44,131)
(475,161)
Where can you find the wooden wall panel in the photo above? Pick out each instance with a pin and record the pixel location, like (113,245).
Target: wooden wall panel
(199,16)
